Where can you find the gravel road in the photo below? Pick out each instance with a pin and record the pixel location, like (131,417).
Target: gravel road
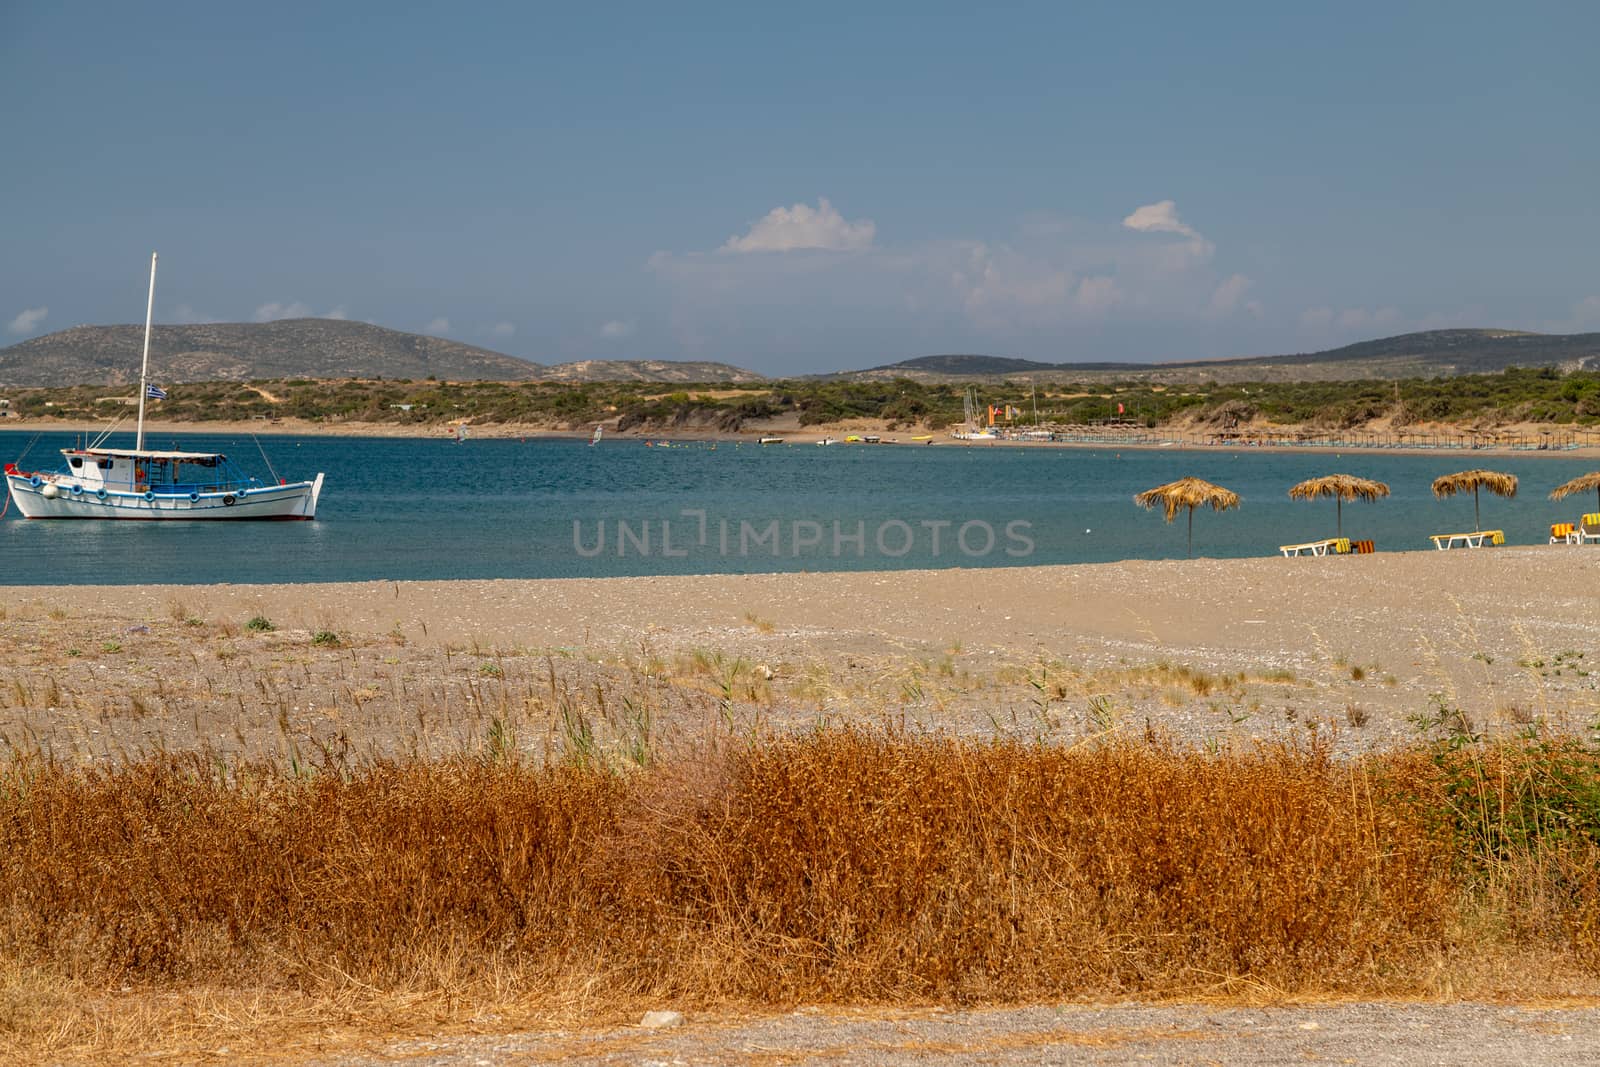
(1358,1033)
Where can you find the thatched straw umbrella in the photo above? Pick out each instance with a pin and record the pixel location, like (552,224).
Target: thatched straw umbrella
(1188,493)
(1500,484)
(1581,484)
(1341,487)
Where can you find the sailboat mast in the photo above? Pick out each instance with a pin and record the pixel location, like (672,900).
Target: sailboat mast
(144,365)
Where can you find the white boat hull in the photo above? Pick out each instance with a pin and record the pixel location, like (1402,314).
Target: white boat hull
(296,500)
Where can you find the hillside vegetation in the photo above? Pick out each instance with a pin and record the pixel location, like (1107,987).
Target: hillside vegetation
(1541,395)
(301,348)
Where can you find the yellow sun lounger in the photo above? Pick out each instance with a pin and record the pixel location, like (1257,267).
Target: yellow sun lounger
(1589,528)
(1475,539)
(1565,533)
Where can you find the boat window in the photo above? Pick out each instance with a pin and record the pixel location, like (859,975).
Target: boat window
(76,462)
(105,464)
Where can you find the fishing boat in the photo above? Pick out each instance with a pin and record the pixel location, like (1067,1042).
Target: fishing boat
(139,483)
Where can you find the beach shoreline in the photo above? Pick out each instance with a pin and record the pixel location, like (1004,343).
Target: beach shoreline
(1181,441)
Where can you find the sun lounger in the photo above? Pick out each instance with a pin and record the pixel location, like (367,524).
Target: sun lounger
(1589,528)
(1475,539)
(1310,548)
(1331,546)
(1565,533)
(1365,547)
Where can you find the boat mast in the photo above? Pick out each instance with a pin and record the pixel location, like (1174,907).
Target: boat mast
(144,367)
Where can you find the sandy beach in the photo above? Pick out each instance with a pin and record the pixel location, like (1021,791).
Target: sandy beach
(788,429)
(1359,649)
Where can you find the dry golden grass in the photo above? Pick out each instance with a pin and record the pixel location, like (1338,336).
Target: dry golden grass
(838,866)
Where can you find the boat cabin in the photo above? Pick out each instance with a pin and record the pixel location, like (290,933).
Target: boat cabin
(150,471)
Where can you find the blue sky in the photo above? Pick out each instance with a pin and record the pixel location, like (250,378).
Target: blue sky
(807,188)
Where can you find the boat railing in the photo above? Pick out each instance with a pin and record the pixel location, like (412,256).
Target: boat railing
(186,488)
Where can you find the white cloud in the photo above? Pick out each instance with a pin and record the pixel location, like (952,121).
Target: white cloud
(502,331)
(1316,318)
(1001,281)
(1229,297)
(294,309)
(28,320)
(275,310)
(188,316)
(1048,277)
(1586,314)
(615,329)
(787,229)
(437,326)
(1583,316)
(1162,217)
(1098,294)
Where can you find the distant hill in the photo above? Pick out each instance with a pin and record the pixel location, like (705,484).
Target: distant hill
(647,370)
(966,366)
(1433,353)
(241,351)
(331,348)
(301,348)
(1460,351)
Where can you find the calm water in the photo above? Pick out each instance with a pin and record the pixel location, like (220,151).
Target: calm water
(416,509)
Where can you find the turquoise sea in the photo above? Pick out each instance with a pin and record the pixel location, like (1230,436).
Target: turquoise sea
(420,509)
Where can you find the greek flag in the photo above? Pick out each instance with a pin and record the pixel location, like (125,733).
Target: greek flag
(155,392)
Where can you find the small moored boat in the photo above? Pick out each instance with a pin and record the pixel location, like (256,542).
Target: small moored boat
(141,483)
(115,483)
